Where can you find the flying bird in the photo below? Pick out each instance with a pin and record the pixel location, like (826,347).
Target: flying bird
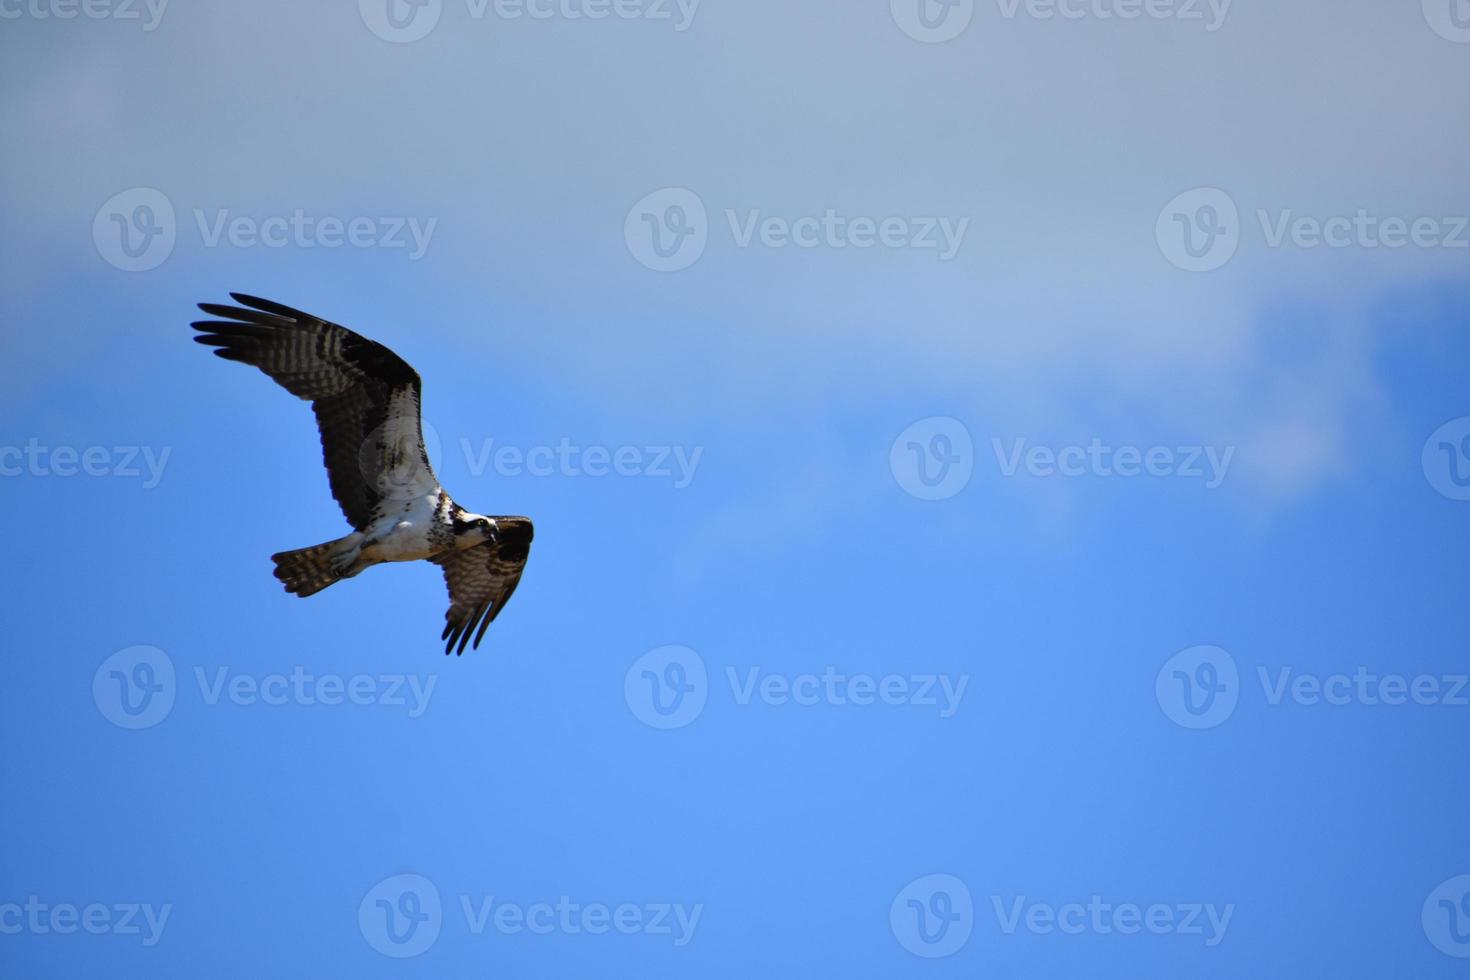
(366,400)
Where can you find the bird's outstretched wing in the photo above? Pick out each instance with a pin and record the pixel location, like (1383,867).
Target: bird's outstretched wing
(481,580)
(366,398)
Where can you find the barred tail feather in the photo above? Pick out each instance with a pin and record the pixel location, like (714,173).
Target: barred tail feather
(306,571)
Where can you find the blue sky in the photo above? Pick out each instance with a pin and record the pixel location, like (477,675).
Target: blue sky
(1000,481)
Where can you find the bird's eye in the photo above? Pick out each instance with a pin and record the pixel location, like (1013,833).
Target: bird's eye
(484,522)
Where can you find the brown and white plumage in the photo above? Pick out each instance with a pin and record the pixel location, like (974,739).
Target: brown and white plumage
(366,401)
(356,387)
(481,581)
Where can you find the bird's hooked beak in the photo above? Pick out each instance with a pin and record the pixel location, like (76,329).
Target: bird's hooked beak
(471,530)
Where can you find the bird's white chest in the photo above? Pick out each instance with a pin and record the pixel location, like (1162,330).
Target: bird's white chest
(405,534)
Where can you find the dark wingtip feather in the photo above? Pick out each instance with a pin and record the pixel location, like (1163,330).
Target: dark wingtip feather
(469,627)
(219,309)
(269,306)
(484,625)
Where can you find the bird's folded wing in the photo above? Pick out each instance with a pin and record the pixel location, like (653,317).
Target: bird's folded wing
(366,398)
(481,580)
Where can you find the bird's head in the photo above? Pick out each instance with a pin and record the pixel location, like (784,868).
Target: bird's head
(473,529)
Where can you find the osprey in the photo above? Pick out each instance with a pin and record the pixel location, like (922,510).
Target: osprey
(366,400)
